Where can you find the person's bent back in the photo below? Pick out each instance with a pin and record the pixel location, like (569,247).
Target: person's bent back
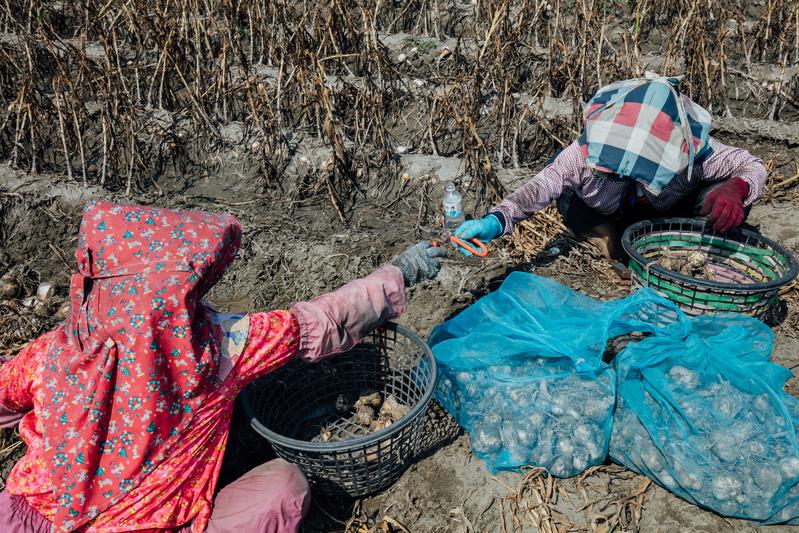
(126,407)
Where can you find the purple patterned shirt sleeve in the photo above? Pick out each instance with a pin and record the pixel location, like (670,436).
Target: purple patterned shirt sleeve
(730,162)
(569,170)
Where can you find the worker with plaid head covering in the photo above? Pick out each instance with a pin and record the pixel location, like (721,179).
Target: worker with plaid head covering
(645,151)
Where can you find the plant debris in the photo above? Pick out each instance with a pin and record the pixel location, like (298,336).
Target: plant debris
(28,308)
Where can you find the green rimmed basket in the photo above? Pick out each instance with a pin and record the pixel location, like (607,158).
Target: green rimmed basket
(746,269)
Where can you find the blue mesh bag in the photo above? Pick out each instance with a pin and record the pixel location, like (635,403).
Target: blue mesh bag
(521,370)
(705,416)
(695,405)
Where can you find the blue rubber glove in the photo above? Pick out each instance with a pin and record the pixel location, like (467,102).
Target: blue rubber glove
(485,229)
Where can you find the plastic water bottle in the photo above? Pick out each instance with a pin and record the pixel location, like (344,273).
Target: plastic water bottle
(453,207)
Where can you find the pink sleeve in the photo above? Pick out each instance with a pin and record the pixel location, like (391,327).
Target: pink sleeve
(272,340)
(567,170)
(331,323)
(730,162)
(19,379)
(337,321)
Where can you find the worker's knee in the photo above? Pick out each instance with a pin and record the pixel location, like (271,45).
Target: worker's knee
(8,418)
(286,476)
(17,516)
(269,498)
(606,238)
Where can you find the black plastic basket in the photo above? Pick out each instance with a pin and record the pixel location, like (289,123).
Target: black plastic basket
(747,270)
(293,406)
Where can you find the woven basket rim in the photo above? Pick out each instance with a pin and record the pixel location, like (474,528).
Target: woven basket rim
(701,228)
(359,442)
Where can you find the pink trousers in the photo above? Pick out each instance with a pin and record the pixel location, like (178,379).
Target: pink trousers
(271,498)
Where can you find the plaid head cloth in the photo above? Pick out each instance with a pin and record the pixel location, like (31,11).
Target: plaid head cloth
(640,129)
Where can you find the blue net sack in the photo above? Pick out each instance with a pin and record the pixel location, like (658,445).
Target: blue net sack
(706,417)
(521,370)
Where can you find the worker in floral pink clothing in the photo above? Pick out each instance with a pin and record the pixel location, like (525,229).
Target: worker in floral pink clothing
(645,152)
(126,408)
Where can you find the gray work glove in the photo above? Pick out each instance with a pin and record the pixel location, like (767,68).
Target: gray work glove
(419,262)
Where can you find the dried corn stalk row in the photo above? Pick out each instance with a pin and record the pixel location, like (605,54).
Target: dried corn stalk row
(117,94)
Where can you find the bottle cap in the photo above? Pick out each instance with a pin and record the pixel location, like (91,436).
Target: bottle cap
(450,186)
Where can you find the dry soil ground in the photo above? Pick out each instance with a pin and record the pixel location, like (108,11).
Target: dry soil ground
(290,257)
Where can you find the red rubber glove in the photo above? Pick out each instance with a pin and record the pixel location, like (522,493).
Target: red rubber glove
(724,206)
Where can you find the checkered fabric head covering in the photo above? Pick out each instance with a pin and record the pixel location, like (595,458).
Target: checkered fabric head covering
(640,129)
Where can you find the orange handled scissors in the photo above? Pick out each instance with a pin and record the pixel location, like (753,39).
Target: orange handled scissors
(480,251)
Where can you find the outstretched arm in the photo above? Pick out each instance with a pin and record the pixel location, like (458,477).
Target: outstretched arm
(566,170)
(337,321)
(329,324)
